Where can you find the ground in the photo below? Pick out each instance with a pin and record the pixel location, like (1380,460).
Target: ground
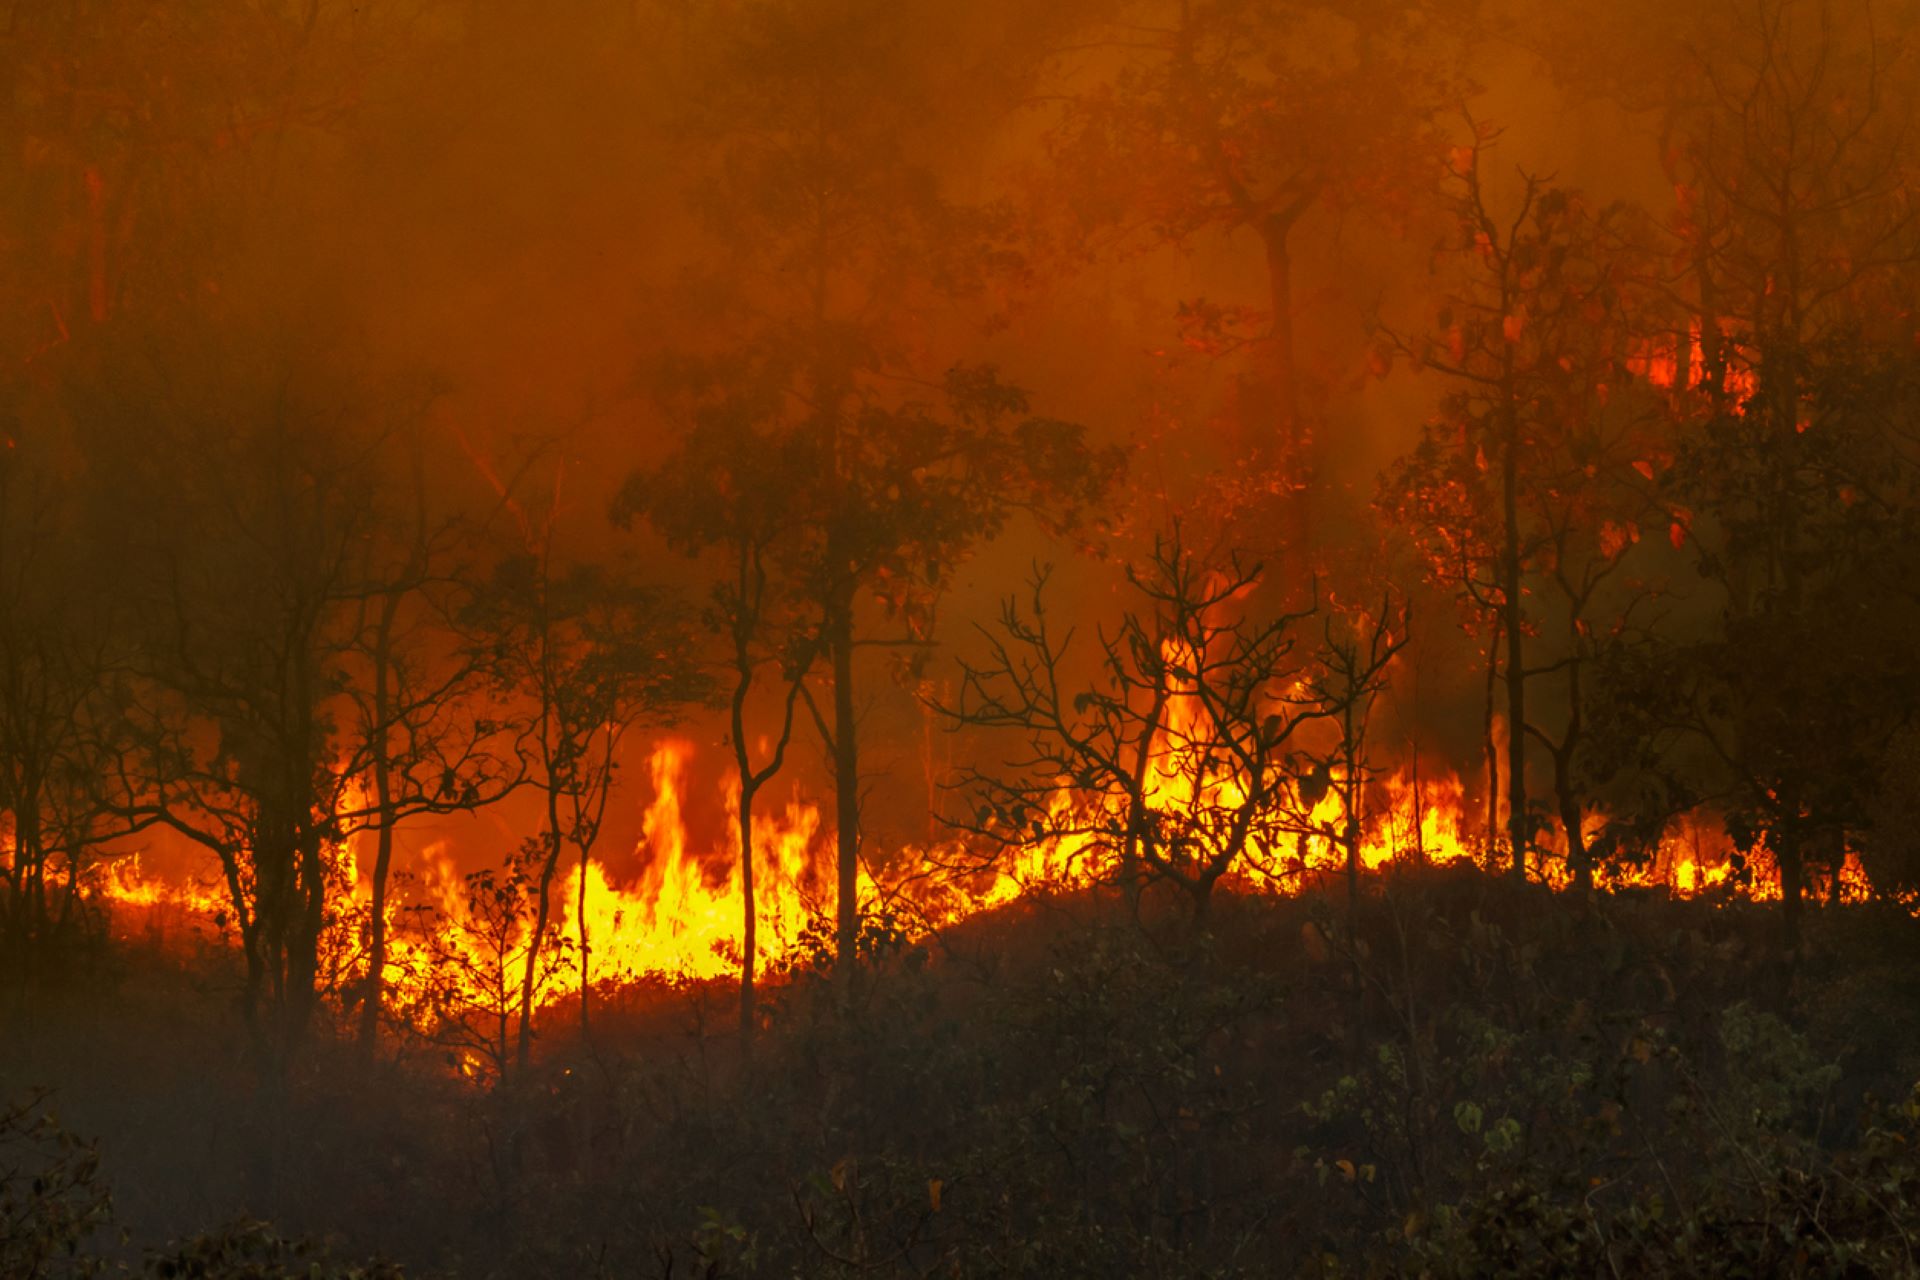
(1469,1077)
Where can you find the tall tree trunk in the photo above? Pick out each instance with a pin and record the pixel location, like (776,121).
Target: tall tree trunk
(1792,868)
(1518,821)
(749,921)
(375,997)
(1292,449)
(1275,235)
(1486,735)
(1572,820)
(543,911)
(586,1024)
(383,848)
(1132,865)
(1350,808)
(846,781)
(383,692)
(303,951)
(551,749)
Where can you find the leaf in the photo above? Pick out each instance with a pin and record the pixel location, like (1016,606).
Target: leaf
(934,1187)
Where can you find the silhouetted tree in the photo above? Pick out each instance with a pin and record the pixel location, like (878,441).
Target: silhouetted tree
(477,960)
(731,489)
(1522,481)
(244,492)
(585,653)
(62,681)
(1178,760)
(840,241)
(422,731)
(1349,672)
(1797,146)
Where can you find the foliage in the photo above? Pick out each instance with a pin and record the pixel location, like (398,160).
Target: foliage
(477,956)
(53,1204)
(254,1251)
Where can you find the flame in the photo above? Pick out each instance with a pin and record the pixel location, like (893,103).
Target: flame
(681,914)
(684,914)
(1674,362)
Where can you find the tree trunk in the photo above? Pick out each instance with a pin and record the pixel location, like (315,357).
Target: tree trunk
(1202,891)
(586,1026)
(1350,837)
(1275,234)
(1571,821)
(30,861)
(1486,734)
(749,922)
(377,928)
(1350,809)
(303,951)
(1518,825)
(846,781)
(1298,455)
(1792,892)
(543,910)
(383,849)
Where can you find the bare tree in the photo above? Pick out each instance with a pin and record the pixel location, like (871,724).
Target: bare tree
(586,653)
(1176,759)
(730,489)
(1526,450)
(422,730)
(62,686)
(1350,670)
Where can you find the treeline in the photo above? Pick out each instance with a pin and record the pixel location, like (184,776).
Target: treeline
(269,586)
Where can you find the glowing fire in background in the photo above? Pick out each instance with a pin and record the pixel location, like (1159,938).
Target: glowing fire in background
(681,916)
(1678,362)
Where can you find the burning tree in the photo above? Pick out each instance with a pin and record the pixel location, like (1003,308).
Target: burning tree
(244,516)
(1786,712)
(62,684)
(477,955)
(1792,161)
(584,653)
(840,241)
(290,682)
(423,735)
(1808,241)
(1350,672)
(1178,761)
(1531,482)
(731,489)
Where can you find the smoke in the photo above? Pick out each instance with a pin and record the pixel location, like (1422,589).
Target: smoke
(507,212)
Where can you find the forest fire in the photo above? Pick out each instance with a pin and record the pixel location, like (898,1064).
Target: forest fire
(680,917)
(888,638)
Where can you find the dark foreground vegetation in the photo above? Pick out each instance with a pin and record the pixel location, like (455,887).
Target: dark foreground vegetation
(1487,1080)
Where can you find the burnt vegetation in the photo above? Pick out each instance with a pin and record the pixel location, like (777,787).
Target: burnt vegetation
(841,638)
